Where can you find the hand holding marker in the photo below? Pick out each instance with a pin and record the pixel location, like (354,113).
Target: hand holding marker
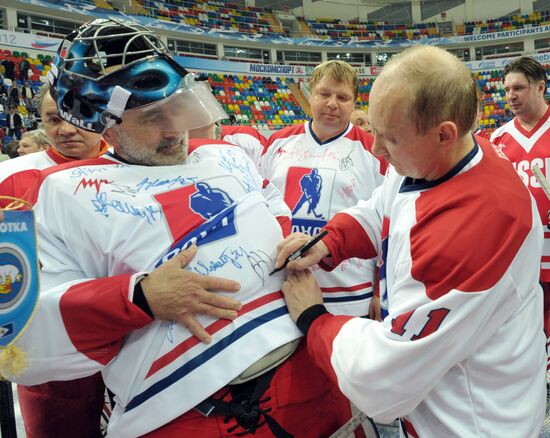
(300,251)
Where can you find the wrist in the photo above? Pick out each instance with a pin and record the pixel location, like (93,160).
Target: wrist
(139,298)
(309,315)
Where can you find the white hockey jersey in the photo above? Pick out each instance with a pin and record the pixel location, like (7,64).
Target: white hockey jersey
(101,223)
(318,180)
(462,352)
(247,138)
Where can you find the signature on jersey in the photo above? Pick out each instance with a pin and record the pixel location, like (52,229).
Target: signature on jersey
(104,206)
(146,183)
(346,162)
(231,162)
(240,258)
(297,153)
(79,172)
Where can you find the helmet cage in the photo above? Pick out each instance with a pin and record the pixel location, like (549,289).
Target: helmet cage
(108,66)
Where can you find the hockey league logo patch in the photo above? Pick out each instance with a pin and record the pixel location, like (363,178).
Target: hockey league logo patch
(308,193)
(18,274)
(196,214)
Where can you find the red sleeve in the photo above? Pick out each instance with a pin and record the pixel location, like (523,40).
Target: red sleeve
(346,239)
(104,305)
(320,338)
(16,185)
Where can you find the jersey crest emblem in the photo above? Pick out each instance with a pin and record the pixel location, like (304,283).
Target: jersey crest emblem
(308,194)
(196,214)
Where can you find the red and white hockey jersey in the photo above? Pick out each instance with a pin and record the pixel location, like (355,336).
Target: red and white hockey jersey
(248,138)
(462,352)
(526,149)
(102,221)
(18,174)
(318,180)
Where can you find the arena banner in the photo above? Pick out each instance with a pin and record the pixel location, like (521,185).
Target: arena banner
(202,64)
(284,70)
(28,41)
(276,39)
(500,63)
(507,34)
(22,40)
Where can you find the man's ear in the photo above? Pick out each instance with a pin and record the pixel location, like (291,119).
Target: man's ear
(110,137)
(542,87)
(447,133)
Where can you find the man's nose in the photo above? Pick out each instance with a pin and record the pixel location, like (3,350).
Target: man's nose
(172,126)
(66,128)
(331,101)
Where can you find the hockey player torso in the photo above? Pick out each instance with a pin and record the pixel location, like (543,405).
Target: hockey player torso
(317,181)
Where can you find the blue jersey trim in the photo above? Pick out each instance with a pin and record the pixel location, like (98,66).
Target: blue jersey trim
(205,356)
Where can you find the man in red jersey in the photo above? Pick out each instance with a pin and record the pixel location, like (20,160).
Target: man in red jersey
(525,140)
(68,143)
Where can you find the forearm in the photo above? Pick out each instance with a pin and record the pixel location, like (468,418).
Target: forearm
(78,328)
(346,239)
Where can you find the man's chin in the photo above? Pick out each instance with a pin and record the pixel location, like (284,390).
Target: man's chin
(73,151)
(171,150)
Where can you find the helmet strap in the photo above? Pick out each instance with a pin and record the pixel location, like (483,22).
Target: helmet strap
(52,75)
(115,107)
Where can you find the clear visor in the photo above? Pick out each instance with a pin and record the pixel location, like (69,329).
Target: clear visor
(190,107)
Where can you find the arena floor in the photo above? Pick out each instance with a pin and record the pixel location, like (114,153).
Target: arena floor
(391,431)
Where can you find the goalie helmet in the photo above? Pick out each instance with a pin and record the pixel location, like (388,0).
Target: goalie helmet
(109,66)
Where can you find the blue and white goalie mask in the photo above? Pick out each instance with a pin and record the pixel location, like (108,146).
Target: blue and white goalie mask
(109,67)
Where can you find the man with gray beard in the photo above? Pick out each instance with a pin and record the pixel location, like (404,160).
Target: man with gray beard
(139,275)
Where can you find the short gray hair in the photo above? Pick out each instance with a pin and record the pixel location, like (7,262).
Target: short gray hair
(39,137)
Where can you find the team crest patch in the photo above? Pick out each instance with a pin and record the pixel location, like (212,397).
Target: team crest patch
(308,193)
(18,274)
(208,213)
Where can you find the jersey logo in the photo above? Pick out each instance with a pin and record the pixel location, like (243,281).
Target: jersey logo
(207,201)
(523,168)
(307,197)
(196,214)
(91,182)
